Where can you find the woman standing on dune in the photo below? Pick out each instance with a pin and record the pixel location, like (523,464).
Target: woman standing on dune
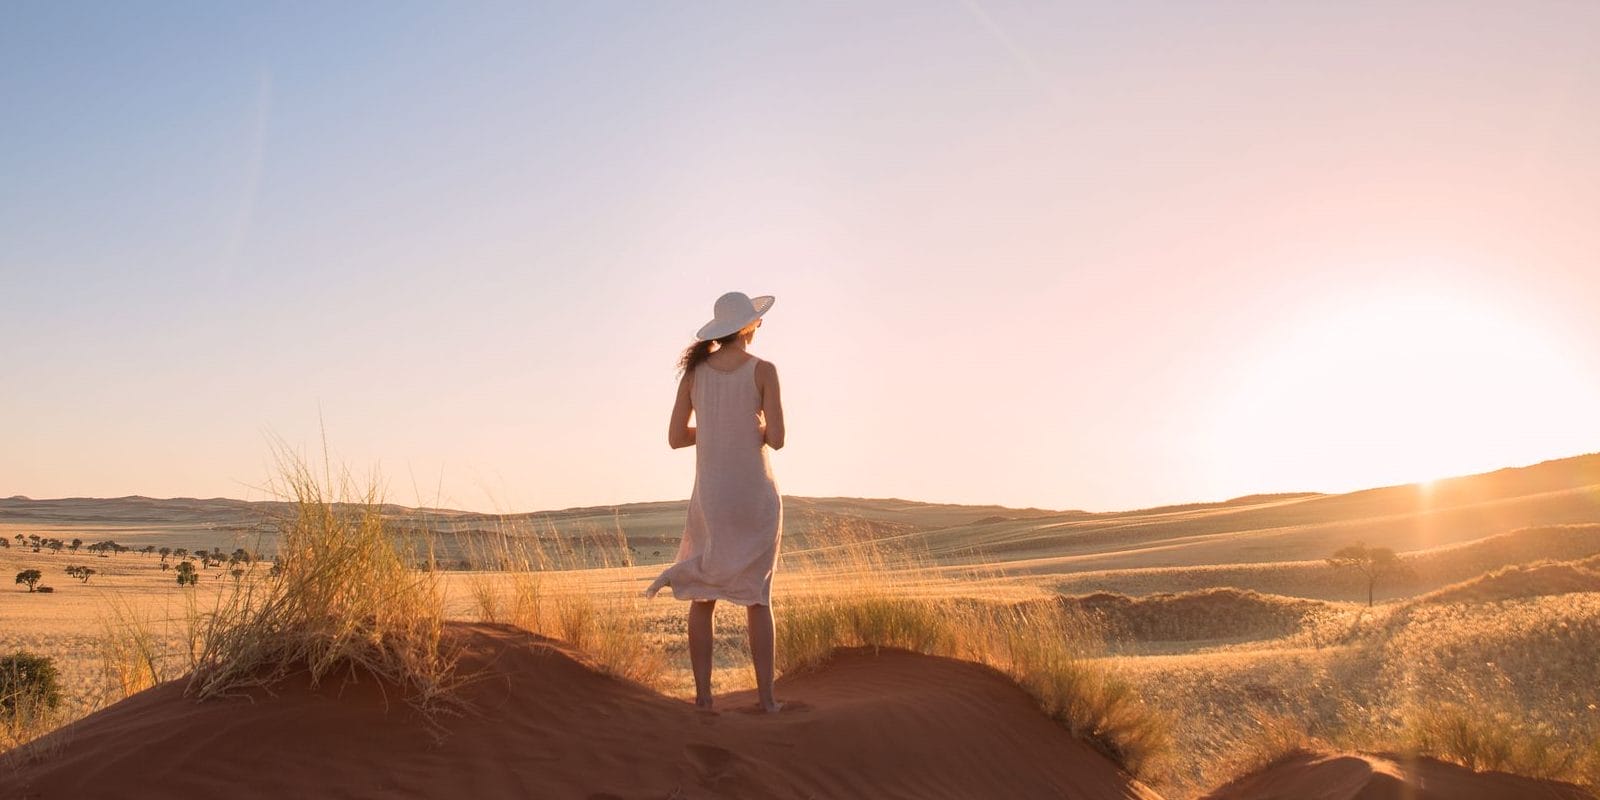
(730,541)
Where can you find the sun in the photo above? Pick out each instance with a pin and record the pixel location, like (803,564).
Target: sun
(1403,388)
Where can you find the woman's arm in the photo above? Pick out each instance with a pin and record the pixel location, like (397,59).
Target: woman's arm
(679,432)
(771,403)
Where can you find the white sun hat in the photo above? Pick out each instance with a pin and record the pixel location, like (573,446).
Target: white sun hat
(732,312)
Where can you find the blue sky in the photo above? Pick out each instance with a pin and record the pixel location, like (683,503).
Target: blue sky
(1027,254)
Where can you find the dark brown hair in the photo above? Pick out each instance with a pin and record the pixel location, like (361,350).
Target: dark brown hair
(697,352)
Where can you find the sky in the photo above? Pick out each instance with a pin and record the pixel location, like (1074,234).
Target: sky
(1060,255)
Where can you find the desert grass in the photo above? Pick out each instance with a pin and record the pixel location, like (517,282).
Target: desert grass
(343,595)
(1510,685)
(1047,649)
(534,581)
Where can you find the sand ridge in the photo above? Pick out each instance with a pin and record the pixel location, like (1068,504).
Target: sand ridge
(541,723)
(1353,776)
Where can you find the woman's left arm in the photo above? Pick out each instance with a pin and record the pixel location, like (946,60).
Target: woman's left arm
(771,404)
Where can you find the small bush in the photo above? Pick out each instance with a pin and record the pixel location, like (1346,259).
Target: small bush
(28,681)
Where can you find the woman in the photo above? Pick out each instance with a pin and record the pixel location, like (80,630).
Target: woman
(730,542)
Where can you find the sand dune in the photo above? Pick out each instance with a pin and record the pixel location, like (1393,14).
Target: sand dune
(1351,776)
(541,724)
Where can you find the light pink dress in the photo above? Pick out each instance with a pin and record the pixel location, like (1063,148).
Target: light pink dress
(730,541)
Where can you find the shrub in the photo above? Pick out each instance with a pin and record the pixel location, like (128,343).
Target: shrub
(28,681)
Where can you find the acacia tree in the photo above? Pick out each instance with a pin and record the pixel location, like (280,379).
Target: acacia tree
(186,574)
(1373,563)
(76,543)
(31,577)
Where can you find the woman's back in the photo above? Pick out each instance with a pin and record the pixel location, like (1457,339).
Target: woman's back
(727,409)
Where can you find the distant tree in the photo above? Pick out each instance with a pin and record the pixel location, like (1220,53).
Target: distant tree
(237,573)
(31,577)
(147,549)
(165,551)
(1373,564)
(4,543)
(82,573)
(180,552)
(187,575)
(165,566)
(27,682)
(76,543)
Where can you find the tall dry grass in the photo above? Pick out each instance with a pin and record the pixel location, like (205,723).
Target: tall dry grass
(857,591)
(531,578)
(344,596)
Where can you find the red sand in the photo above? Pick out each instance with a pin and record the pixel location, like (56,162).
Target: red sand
(1348,776)
(881,725)
(542,724)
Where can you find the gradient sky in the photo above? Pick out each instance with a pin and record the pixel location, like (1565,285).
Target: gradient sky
(1066,255)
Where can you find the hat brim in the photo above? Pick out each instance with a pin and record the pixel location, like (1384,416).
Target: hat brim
(718,328)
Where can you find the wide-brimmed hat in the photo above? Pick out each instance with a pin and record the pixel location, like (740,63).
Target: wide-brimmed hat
(731,313)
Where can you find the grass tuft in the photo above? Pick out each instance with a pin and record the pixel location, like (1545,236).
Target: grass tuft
(343,596)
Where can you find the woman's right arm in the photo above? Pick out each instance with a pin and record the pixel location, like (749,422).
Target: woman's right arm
(679,432)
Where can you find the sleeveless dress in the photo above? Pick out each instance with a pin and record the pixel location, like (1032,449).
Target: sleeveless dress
(730,540)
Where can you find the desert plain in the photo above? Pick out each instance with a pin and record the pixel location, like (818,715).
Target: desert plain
(1209,650)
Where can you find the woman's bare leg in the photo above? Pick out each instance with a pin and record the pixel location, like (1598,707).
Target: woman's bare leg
(700,641)
(762,634)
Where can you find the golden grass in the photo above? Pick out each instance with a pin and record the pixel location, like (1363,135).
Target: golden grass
(547,589)
(1046,648)
(1474,734)
(344,596)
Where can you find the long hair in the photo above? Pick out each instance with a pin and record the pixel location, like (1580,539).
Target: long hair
(697,352)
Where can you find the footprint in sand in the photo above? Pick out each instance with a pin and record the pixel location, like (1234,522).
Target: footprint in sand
(709,760)
(755,709)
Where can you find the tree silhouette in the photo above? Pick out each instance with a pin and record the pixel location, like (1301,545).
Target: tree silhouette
(1372,563)
(31,577)
(186,574)
(165,551)
(76,543)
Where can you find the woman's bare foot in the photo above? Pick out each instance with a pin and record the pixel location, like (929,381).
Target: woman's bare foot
(702,703)
(771,706)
